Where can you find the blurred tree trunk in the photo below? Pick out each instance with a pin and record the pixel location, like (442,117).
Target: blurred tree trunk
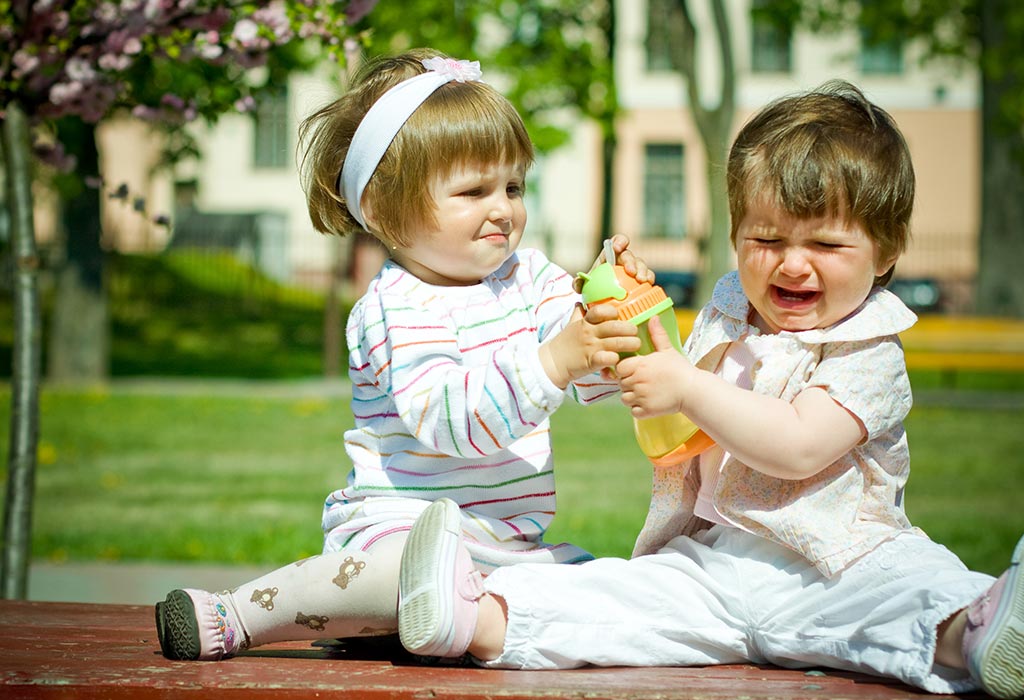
(609,141)
(24,428)
(79,337)
(1000,290)
(715,128)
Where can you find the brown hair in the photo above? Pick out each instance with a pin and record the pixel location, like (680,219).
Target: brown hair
(829,152)
(459,124)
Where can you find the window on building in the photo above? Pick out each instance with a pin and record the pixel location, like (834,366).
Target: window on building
(880,56)
(661,34)
(771,41)
(664,195)
(271,145)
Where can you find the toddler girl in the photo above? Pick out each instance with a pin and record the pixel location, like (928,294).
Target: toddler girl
(787,543)
(460,350)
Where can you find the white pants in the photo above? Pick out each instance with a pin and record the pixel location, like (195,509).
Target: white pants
(726,596)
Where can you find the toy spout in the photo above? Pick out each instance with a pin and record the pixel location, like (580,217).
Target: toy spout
(669,439)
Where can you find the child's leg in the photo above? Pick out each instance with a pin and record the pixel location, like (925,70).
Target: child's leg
(492,626)
(884,615)
(343,594)
(673,608)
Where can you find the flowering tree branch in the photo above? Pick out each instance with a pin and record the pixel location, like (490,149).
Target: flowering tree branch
(88,58)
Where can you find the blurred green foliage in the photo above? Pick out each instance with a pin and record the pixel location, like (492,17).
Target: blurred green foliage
(197,313)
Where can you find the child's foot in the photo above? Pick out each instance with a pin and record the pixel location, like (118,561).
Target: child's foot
(438,587)
(994,638)
(194,625)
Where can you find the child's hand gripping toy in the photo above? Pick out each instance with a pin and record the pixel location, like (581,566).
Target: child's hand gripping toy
(666,440)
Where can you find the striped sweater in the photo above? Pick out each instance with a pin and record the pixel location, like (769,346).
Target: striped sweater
(450,400)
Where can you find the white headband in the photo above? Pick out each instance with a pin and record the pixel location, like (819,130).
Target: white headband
(388,114)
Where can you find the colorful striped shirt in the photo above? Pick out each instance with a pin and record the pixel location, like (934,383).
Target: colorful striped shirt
(450,400)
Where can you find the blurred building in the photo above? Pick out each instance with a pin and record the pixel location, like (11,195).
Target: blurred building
(245,192)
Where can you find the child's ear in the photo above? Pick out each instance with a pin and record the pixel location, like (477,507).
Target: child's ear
(884,266)
(367,210)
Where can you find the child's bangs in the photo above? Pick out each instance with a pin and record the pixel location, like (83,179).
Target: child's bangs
(469,123)
(809,177)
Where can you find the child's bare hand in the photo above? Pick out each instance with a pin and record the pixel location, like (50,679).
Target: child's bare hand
(587,344)
(653,384)
(635,267)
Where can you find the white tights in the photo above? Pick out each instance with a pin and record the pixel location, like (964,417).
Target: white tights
(351,593)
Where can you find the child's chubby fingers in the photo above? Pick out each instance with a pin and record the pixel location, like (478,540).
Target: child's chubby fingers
(600,313)
(604,359)
(611,334)
(625,370)
(620,242)
(636,268)
(634,265)
(606,317)
(616,343)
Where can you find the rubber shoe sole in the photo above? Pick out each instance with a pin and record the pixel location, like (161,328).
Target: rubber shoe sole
(177,628)
(998,662)
(427,581)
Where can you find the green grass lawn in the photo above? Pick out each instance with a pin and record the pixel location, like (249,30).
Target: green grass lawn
(241,480)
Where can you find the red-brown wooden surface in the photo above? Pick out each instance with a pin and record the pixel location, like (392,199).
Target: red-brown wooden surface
(72,650)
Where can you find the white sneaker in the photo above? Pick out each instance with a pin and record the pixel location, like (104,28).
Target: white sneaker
(438,589)
(994,639)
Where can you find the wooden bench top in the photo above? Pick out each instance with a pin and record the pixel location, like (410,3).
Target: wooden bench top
(77,650)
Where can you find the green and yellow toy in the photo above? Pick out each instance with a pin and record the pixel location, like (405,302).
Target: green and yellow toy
(669,439)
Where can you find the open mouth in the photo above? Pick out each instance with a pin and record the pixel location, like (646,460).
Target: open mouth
(794,296)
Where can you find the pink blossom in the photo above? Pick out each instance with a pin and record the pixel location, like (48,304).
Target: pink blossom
(145,113)
(60,22)
(172,101)
(357,9)
(153,10)
(71,57)
(79,69)
(24,62)
(245,104)
(106,12)
(352,49)
(275,18)
(116,40)
(61,93)
(114,62)
(210,51)
(208,45)
(245,31)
